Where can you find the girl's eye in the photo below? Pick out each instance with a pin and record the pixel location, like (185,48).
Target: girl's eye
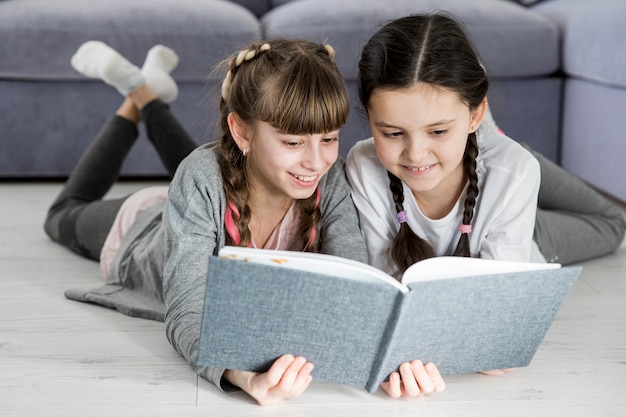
(330,139)
(292,141)
(439,132)
(392,134)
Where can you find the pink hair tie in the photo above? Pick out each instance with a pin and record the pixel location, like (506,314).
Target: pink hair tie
(229,222)
(402,217)
(465,228)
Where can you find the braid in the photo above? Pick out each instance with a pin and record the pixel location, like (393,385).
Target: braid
(310,216)
(234,174)
(469,164)
(232,161)
(237,193)
(406,248)
(235,63)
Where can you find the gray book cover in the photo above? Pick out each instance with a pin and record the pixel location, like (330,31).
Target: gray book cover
(356,333)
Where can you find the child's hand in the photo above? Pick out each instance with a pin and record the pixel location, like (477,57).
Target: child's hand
(413,379)
(288,377)
(497,372)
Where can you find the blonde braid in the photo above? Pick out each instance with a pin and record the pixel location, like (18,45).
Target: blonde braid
(245,55)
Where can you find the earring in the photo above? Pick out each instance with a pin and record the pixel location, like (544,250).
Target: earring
(244,151)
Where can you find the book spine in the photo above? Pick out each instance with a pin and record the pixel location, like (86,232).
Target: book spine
(386,341)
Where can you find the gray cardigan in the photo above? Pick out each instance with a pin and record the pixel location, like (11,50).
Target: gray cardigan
(160,270)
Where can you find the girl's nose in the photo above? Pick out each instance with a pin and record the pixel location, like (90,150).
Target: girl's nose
(415,149)
(314,158)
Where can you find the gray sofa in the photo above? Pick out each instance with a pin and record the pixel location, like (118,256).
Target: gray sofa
(556,67)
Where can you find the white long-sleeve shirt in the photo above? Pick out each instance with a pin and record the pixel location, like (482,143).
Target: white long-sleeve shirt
(504,216)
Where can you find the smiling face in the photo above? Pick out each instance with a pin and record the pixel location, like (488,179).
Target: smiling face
(420,134)
(288,167)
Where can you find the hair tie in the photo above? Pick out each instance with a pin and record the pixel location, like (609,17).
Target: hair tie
(245,55)
(229,222)
(402,217)
(465,228)
(331,51)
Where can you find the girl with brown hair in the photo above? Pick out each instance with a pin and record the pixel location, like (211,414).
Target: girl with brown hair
(273,180)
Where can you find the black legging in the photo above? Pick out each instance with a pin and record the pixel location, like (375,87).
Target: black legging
(79,219)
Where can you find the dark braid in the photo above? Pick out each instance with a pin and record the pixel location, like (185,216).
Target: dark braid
(406,248)
(469,165)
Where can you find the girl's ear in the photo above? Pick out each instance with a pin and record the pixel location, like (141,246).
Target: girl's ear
(477,115)
(240,131)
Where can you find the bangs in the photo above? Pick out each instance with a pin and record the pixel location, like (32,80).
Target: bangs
(306,99)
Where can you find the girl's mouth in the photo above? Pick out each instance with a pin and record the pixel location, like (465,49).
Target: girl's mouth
(305,179)
(419,170)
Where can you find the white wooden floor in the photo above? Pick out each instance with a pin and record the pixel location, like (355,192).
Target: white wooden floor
(65,358)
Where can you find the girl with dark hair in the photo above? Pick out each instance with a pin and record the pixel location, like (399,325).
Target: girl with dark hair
(439,178)
(272,181)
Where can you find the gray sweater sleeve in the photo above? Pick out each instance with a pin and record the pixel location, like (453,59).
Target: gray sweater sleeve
(193,222)
(340,231)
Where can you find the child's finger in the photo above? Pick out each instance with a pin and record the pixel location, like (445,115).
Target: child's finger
(392,387)
(409,384)
(435,377)
(290,374)
(422,377)
(303,379)
(274,375)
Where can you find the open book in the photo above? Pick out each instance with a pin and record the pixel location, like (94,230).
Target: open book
(357,324)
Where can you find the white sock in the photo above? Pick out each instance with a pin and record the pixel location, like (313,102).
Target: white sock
(160,56)
(96,59)
(160,61)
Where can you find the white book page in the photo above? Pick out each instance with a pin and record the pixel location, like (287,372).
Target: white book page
(335,266)
(443,267)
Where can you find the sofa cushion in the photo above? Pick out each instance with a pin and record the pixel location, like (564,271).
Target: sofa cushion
(512,40)
(201,32)
(594,38)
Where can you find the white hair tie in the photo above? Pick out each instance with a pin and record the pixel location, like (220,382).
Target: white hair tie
(245,55)
(331,51)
